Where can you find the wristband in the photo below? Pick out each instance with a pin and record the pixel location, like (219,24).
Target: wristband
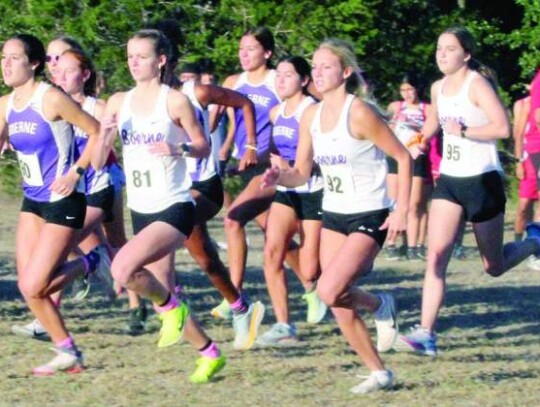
(251,147)
(463,130)
(416,139)
(184,149)
(79,170)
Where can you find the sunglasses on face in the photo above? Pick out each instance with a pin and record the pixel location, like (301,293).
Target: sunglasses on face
(52,58)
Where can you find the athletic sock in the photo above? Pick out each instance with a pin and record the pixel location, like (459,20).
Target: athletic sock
(91,261)
(381,307)
(67,343)
(170,303)
(239,306)
(210,350)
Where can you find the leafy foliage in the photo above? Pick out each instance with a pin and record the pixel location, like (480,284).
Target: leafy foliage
(526,38)
(389,37)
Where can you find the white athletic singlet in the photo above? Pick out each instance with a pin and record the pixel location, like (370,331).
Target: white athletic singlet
(200,169)
(354,171)
(95,180)
(153,182)
(464,157)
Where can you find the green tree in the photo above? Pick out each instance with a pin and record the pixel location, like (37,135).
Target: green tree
(526,38)
(390,37)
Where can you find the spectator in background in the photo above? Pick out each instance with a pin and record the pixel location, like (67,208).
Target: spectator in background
(190,71)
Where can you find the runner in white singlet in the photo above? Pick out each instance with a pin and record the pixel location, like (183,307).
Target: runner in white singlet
(472,117)
(158,131)
(348,140)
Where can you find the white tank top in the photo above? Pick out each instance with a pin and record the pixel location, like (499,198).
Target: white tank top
(95,180)
(354,171)
(153,183)
(464,157)
(200,169)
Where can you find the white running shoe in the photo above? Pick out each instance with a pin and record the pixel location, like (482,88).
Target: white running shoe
(246,325)
(223,246)
(66,360)
(418,340)
(374,382)
(222,311)
(386,323)
(33,329)
(80,287)
(533,263)
(279,334)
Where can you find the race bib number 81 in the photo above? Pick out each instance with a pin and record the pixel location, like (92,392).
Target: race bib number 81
(147,179)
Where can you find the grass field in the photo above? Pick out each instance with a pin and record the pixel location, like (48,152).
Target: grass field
(489,333)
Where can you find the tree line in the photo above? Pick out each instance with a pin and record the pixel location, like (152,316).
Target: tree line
(391,37)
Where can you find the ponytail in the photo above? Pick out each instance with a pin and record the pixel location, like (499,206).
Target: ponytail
(172,32)
(485,71)
(162,46)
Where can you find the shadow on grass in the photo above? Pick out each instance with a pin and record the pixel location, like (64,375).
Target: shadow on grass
(502,376)
(494,306)
(498,308)
(518,305)
(9,290)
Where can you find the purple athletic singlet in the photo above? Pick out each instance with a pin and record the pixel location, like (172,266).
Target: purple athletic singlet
(45,149)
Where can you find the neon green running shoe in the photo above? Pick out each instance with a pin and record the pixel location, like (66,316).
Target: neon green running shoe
(316,309)
(222,311)
(207,368)
(172,325)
